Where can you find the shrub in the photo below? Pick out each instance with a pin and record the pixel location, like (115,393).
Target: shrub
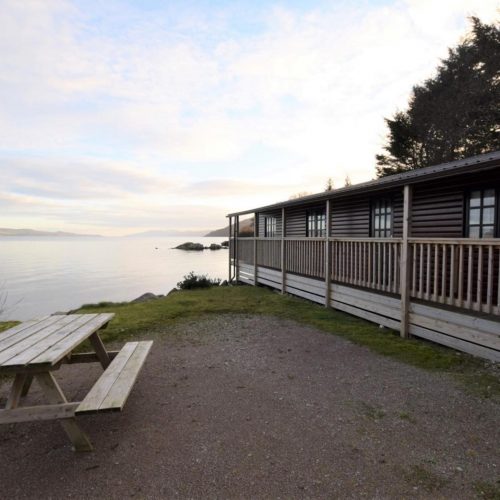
(192,280)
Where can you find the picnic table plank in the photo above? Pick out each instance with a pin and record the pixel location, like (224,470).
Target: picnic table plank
(21,326)
(100,390)
(68,343)
(36,413)
(47,343)
(120,391)
(17,333)
(35,337)
(113,388)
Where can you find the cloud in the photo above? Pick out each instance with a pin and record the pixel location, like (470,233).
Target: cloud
(83,178)
(107,105)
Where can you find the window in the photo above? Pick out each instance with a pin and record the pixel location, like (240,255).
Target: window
(382,219)
(270,227)
(316,224)
(481,217)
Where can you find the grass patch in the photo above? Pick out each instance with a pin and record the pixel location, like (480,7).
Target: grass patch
(7,324)
(488,491)
(404,415)
(372,412)
(158,315)
(424,478)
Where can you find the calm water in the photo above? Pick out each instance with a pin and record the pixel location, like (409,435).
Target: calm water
(42,275)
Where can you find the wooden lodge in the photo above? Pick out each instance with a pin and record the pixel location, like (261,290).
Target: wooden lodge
(417,252)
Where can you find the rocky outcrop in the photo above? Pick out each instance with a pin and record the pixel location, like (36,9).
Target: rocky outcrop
(146,297)
(189,245)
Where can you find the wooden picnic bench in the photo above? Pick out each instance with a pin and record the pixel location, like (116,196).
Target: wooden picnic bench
(37,348)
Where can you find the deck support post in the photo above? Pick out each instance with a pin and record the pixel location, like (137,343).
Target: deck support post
(283,263)
(236,253)
(231,246)
(405,263)
(255,236)
(327,253)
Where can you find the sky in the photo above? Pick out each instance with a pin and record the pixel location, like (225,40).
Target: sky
(125,116)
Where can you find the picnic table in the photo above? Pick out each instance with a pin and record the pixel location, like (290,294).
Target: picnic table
(38,348)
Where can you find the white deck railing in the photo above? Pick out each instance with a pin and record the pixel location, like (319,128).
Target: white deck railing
(463,273)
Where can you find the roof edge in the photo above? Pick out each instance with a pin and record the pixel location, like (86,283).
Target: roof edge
(473,163)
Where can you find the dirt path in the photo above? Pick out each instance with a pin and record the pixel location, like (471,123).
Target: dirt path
(254,407)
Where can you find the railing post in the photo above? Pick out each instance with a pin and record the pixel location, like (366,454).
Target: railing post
(405,263)
(255,236)
(327,254)
(283,263)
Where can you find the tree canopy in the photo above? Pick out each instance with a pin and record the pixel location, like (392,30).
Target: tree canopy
(453,115)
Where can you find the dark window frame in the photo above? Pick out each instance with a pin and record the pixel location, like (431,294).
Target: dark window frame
(481,207)
(270,226)
(318,218)
(382,203)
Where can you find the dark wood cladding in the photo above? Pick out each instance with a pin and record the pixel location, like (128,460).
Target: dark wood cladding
(295,218)
(438,210)
(262,223)
(397,214)
(351,217)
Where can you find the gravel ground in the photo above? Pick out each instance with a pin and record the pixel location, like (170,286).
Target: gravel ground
(256,407)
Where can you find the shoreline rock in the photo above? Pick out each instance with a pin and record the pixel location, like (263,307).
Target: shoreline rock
(189,245)
(146,297)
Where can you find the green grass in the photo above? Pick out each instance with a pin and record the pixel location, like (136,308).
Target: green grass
(7,324)
(157,316)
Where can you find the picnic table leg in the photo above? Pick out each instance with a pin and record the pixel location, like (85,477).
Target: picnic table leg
(55,395)
(100,350)
(16,391)
(26,385)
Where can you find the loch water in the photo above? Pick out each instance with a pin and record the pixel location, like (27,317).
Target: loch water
(41,275)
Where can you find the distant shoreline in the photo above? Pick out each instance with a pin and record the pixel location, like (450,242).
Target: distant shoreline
(10,233)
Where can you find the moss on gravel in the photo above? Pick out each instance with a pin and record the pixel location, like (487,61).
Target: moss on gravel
(134,319)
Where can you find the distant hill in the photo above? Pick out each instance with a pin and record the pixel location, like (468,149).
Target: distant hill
(32,232)
(246,227)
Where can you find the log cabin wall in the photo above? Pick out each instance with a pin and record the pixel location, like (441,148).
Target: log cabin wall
(262,223)
(296,218)
(350,217)
(439,208)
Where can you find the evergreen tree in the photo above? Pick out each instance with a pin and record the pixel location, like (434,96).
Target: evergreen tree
(453,115)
